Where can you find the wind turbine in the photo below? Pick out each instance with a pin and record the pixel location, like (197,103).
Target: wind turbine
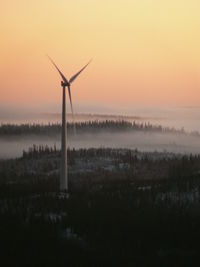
(65,83)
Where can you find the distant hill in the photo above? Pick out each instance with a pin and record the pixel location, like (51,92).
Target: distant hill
(99,117)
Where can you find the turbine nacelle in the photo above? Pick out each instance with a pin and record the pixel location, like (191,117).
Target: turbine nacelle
(65,84)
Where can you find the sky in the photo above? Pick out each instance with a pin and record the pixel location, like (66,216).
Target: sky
(144,52)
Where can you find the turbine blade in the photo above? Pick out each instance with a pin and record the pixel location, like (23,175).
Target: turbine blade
(61,74)
(72,110)
(77,74)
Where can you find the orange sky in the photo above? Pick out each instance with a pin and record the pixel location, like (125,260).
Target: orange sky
(145,52)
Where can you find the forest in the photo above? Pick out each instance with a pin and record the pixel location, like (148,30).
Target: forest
(88,127)
(124,208)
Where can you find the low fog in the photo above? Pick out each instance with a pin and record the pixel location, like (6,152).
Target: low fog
(177,117)
(177,143)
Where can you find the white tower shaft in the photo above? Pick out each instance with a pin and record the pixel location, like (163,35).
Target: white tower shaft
(63,175)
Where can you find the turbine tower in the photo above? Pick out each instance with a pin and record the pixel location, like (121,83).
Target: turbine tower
(65,83)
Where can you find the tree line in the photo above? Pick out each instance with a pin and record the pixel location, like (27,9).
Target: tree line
(89,126)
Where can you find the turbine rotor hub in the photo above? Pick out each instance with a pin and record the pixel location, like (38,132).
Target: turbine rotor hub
(64,84)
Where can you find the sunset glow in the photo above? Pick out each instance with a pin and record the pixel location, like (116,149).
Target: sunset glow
(144,52)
